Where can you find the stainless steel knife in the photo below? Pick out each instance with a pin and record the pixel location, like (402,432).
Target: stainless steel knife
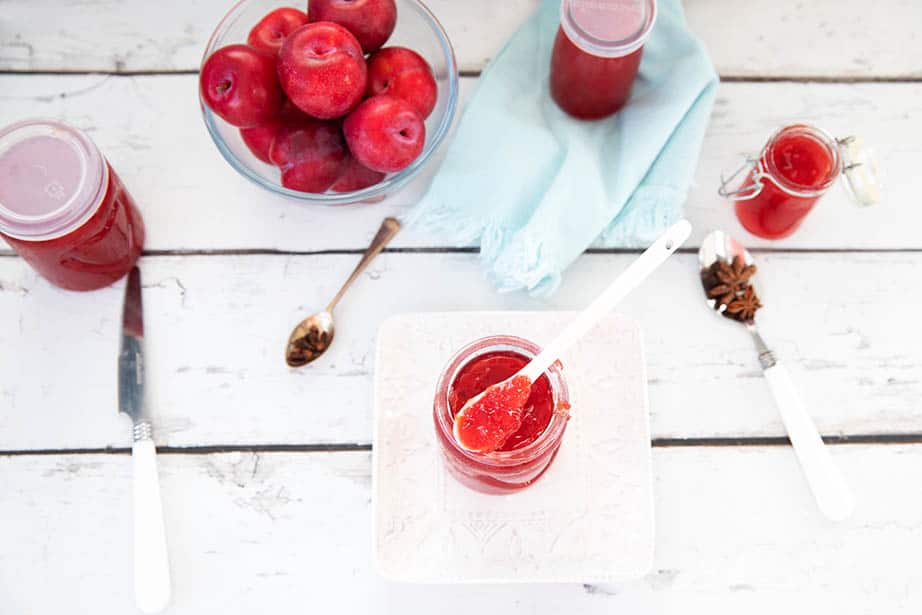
(151,563)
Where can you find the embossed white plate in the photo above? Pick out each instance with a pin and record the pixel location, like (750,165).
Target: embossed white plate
(588,519)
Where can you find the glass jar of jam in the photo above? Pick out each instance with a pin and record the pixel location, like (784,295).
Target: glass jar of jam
(796,167)
(63,208)
(526,454)
(597,53)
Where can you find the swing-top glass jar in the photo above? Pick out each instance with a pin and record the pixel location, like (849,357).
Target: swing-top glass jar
(797,166)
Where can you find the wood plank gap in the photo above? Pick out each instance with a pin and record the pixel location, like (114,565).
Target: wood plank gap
(715,442)
(474,74)
(821,79)
(474,250)
(124,73)
(334,252)
(197,450)
(900,438)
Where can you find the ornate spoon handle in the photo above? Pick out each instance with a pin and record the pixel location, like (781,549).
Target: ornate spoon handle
(389,228)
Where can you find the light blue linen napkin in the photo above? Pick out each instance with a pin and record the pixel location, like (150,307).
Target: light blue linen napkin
(538,187)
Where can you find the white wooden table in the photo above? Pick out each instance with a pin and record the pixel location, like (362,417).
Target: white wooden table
(266,471)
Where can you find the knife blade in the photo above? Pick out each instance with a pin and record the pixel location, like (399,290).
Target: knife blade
(131,352)
(151,562)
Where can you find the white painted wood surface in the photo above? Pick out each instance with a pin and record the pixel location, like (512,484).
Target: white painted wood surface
(216,328)
(277,532)
(736,528)
(758,38)
(151,130)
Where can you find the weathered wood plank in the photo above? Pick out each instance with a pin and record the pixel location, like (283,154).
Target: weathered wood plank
(151,130)
(821,38)
(217,326)
(837,39)
(736,532)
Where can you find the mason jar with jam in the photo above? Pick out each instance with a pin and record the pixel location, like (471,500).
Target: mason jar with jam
(797,166)
(597,53)
(526,454)
(63,208)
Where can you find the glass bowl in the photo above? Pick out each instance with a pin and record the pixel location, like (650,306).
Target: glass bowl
(417,28)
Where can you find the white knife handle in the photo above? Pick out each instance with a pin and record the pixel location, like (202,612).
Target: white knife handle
(833,496)
(151,563)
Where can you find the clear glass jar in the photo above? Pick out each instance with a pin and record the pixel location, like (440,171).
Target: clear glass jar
(502,471)
(63,208)
(597,54)
(797,166)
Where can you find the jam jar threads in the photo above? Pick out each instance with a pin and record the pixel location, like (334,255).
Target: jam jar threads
(63,208)
(526,454)
(596,54)
(795,169)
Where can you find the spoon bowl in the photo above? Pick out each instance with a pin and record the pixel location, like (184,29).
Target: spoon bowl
(309,339)
(720,246)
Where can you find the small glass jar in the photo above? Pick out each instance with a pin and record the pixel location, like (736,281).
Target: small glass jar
(597,53)
(797,166)
(500,471)
(63,208)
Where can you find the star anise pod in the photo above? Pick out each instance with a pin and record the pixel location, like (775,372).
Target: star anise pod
(722,294)
(744,307)
(736,272)
(727,280)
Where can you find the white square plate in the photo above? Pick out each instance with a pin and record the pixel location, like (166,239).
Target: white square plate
(588,519)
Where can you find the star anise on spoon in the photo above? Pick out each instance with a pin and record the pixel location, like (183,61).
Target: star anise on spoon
(727,280)
(744,307)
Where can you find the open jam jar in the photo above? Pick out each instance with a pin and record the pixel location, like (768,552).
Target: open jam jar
(597,53)
(526,454)
(796,167)
(63,208)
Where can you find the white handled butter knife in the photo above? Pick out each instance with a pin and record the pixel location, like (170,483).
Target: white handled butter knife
(151,563)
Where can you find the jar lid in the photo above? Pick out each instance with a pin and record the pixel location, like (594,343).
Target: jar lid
(608,28)
(859,166)
(51,176)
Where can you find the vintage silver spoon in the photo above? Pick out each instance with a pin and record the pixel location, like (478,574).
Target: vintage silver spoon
(832,494)
(314,334)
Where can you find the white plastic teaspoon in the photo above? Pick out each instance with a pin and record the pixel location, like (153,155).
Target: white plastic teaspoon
(631,278)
